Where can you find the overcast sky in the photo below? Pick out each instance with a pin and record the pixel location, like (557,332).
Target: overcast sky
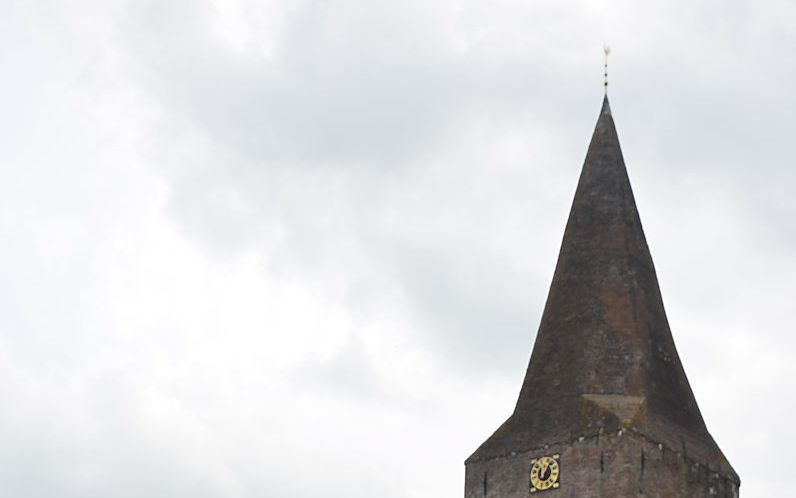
(278,248)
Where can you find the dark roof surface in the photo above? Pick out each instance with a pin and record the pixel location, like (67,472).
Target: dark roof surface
(604,356)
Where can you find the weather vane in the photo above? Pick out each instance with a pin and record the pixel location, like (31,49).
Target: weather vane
(606,51)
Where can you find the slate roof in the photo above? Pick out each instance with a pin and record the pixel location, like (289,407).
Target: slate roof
(604,356)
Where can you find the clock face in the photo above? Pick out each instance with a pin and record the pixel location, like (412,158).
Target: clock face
(544,473)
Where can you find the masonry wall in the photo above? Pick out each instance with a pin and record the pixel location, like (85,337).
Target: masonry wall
(621,465)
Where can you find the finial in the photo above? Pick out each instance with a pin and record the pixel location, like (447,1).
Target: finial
(606,51)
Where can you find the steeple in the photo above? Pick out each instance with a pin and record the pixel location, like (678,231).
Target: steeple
(604,361)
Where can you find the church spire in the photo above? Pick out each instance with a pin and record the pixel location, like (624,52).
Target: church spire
(604,359)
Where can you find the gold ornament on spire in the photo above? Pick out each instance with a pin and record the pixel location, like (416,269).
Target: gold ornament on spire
(606,51)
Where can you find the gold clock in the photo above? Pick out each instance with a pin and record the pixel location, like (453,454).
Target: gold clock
(544,473)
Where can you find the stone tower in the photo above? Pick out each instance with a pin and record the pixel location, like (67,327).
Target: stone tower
(605,409)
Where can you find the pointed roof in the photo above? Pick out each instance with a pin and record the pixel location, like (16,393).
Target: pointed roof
(604,356)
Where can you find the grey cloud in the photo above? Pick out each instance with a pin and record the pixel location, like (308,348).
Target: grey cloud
(410,162)
(373,110)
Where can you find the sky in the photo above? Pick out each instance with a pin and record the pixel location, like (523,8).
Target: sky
(274,248)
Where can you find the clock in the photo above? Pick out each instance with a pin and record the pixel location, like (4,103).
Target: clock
(544,473)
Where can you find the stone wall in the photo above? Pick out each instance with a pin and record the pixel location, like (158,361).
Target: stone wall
(623,464)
